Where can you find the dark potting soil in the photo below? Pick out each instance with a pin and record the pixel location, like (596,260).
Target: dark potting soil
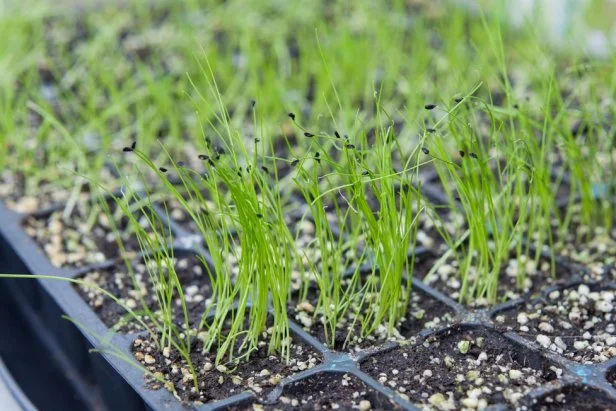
(118,281)
(596,251)
(326,391)
(470,368)
(577,322)
(447,280)
(424,312)
(347,334)
(574,398)
(259,374)
(85,237)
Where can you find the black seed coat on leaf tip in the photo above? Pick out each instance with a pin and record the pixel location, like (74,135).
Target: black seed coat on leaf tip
(162,169)
(430,106)
(292,116)
(294,162)
(203,157)
(430,130)
(127,149)
(580,128)
(337,134)
(458,99)
(133,145)
(307,134)
(462,153)
(425,150)
(473,155)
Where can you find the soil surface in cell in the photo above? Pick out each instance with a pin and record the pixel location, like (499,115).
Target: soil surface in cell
(447,280)
(595,251)
(86,236)
(136,290)
(574,398)
(577,322)
(327,391)
(425,312)
(260,373)
(461,368)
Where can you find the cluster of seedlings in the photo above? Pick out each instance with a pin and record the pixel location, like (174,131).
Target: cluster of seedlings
(330,233)
(338,255)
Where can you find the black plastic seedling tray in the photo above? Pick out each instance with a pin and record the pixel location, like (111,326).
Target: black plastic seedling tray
(8,383)
(34,369)
(122,386)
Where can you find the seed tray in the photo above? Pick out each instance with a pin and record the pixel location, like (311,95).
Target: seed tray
(122,385)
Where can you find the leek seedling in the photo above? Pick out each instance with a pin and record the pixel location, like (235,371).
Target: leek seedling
(336,253)
(389,237)
(156,243)
(382,230)
(259,245)
(390,226)
(248,221)
(587,156)
(495,199)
